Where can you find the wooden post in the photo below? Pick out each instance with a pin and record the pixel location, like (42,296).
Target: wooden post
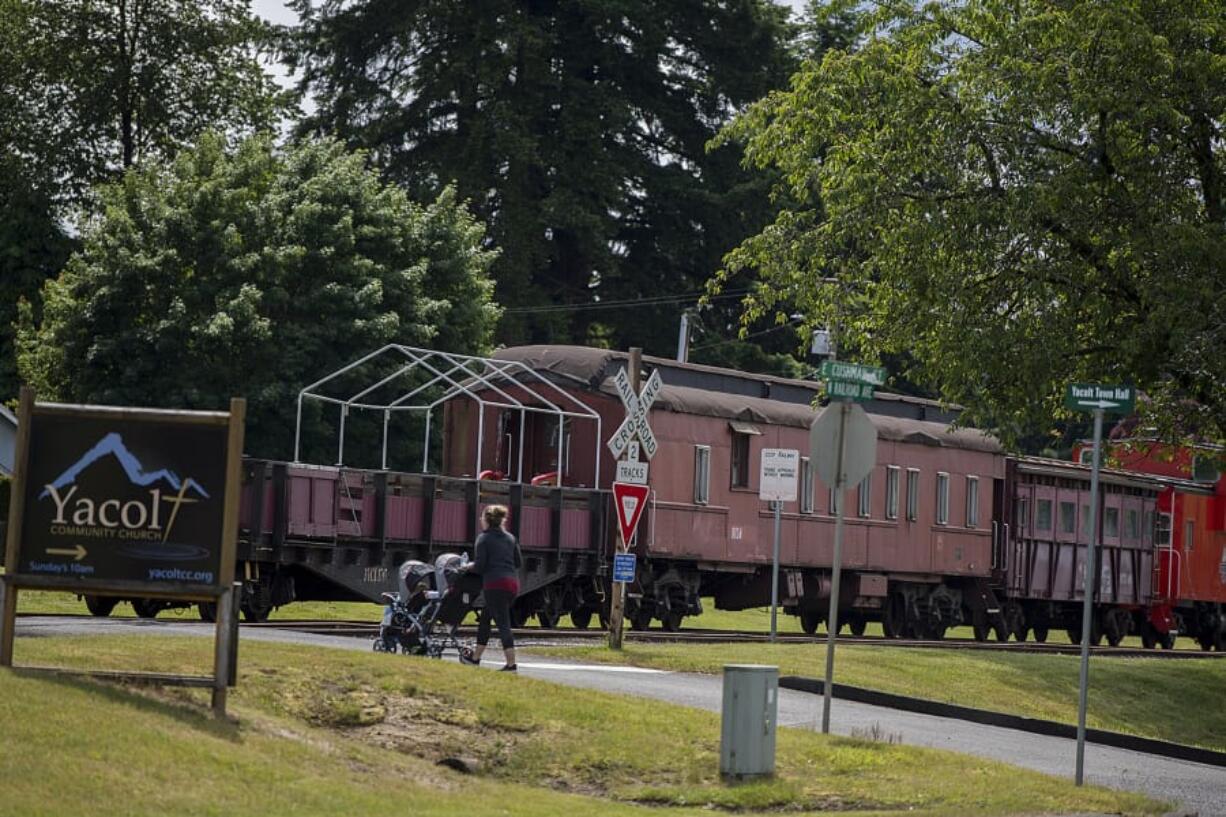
(17,502)
(617,604)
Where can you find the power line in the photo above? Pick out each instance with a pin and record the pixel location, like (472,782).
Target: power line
(658,300)
(787,325)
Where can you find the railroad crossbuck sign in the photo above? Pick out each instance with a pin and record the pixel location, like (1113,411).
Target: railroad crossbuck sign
(630,501)
(637,408)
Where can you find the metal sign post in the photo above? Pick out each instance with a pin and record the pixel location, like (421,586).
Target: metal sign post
(843,445)
(1099,399)
(780,469)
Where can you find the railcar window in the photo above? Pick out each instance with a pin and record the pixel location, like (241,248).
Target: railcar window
(1162,531)
(865,495)
(702,474)
(806,485)
(1134,524)
(913,480)
(1086,521)
(1068,517)
(740,460)
(1111,522)
(832,502)
(891,492)
(942,498)
(1147,527)
(1189,535)
(1042,514)
(972,502)
(1022,513)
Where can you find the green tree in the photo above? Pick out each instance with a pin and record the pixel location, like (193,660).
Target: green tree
(578,130)
(1013,193)
(91,87)
(253,273)
(33,247)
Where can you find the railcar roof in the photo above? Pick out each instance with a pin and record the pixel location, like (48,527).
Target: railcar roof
(1044,466)
(594,368)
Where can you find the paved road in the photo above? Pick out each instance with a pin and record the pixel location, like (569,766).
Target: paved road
(1197,787)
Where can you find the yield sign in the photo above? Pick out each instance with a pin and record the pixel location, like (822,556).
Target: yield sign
(630,500)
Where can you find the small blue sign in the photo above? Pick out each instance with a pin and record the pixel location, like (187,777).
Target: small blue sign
(623,567)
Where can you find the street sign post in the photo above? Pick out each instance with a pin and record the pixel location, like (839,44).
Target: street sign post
(843,445)
(780,469)
(633,435)
(1099,399)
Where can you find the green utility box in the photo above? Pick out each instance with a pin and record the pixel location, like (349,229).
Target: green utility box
(750,712)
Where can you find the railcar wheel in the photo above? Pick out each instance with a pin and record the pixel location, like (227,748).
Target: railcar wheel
(1115,626)
(256,612)
(857,625)
(100,606)
(547,619)
(979,625)
(207,610)
(147,608)
(672,620)
(894,620)
(1167,641)
(641,620)
(603,619)
(809,621)
(581,618)
(1001,631)
(1040,635)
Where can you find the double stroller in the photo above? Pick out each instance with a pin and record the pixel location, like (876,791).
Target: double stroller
(424,617)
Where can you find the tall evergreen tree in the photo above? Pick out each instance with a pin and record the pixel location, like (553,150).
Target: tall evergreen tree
(578,129)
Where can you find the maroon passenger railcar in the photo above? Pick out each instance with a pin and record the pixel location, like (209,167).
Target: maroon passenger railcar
(920,541)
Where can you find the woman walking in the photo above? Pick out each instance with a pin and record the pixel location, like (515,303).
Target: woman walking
(498,562)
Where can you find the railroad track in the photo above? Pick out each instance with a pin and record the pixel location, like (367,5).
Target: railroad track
(528,636)
(534,635)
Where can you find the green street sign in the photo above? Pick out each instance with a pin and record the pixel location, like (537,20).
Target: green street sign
(853,372)
(848,390)
(1095,396)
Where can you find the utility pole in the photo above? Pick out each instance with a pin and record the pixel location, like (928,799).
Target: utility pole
(617,604)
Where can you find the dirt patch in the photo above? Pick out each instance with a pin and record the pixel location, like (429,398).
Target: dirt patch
(434,729)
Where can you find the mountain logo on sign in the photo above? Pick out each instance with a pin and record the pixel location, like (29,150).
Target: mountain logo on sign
(112,444)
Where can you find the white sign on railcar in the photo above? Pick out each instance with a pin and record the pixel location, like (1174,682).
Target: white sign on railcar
(637,409)
(780,470)
(632,471)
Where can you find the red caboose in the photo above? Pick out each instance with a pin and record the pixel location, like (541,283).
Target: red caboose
(1190,586)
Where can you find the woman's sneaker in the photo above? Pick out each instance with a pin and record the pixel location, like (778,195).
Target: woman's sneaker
(510,668)
(466,657)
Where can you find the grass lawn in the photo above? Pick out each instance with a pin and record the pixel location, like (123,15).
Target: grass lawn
(334,732)
(1178,700)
